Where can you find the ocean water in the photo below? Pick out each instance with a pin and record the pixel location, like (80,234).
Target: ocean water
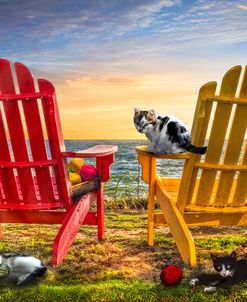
(125,172)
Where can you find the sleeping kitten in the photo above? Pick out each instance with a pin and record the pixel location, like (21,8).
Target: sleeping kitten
(229,272)
(22,269)
(165,134)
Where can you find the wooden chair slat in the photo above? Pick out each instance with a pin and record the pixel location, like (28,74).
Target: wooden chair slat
(199,128)
(35,132)
(9,189)
(16,132)
(217,135)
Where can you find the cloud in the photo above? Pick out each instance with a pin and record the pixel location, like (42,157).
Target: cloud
(101,39)
(242,7)
(110,80)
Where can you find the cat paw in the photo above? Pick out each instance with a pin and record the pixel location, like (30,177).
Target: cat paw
(194,281)
(210,289)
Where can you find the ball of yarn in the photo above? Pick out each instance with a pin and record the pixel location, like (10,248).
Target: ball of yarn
(171,275)
(88,172)
(4,270)
(76,164)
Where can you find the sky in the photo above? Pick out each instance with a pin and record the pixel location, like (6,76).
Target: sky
(107,57)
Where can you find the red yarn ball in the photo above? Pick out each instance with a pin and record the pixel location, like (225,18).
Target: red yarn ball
(88,172)
(171,275)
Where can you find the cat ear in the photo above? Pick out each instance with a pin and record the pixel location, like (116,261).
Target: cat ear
(151,114)
(137,111)
(233,254)
(214,257)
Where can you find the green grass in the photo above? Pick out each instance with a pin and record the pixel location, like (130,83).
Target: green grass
(121,267)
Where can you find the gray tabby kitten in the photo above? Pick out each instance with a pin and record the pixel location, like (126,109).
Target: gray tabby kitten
(165,134)
(21,269)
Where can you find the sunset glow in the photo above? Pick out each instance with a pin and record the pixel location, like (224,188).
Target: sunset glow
(107,57)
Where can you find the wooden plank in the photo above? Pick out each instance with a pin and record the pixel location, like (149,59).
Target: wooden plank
(151,194)
(16,132)
(228,100)
(225,167)
(217,135)
(41,217)
(207,219)
(56,142)
(71,224)
(95,151)
(198,133)
(35,133)
(240,194)
(177,225)
(232,154)
(7,177)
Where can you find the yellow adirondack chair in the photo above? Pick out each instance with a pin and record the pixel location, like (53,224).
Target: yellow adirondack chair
(212,190)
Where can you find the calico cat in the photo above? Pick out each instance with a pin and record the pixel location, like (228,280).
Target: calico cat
(22,269)
(230,271)
(165,134)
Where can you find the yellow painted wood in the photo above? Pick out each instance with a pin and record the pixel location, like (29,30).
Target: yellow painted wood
(228,100)
(151,194)
(217,135)
(143,150)
(218,210)
(145,162)
(226,167)
(207,219)
(232,154)
(172,187)
(206,200)
(240,194)
(198,132)
(177,225)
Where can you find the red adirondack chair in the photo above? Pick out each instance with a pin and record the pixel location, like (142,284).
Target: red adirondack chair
(36,189)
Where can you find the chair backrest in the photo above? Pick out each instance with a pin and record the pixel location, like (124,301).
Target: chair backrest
(30,177)
(220,178)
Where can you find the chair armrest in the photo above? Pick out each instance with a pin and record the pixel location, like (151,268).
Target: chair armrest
(143,150)
(96,151)
(104,155)
(148,162)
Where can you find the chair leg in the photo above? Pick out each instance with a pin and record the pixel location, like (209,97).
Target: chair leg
(177,225)
(70,227)
(100,213)
(150,239)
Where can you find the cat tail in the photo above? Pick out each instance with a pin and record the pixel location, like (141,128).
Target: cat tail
(194,149)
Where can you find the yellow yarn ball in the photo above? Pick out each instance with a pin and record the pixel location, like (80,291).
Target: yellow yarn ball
(75,178)
(76,164)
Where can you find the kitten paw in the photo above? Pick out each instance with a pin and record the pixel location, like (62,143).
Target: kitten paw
(194,281)
(210,289)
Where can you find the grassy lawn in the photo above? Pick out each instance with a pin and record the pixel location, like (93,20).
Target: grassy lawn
(122,267)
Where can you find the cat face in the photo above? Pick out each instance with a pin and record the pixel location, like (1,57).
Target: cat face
(225,266)
(143,119)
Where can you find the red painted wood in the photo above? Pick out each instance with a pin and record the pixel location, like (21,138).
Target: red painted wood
(103,166)
(27,210)
(70,227)
(41,217)
(30,164)
(56,142)
(101,213)
(16,132)
(22,96)
(35,133)
(7,178)
(96,151)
